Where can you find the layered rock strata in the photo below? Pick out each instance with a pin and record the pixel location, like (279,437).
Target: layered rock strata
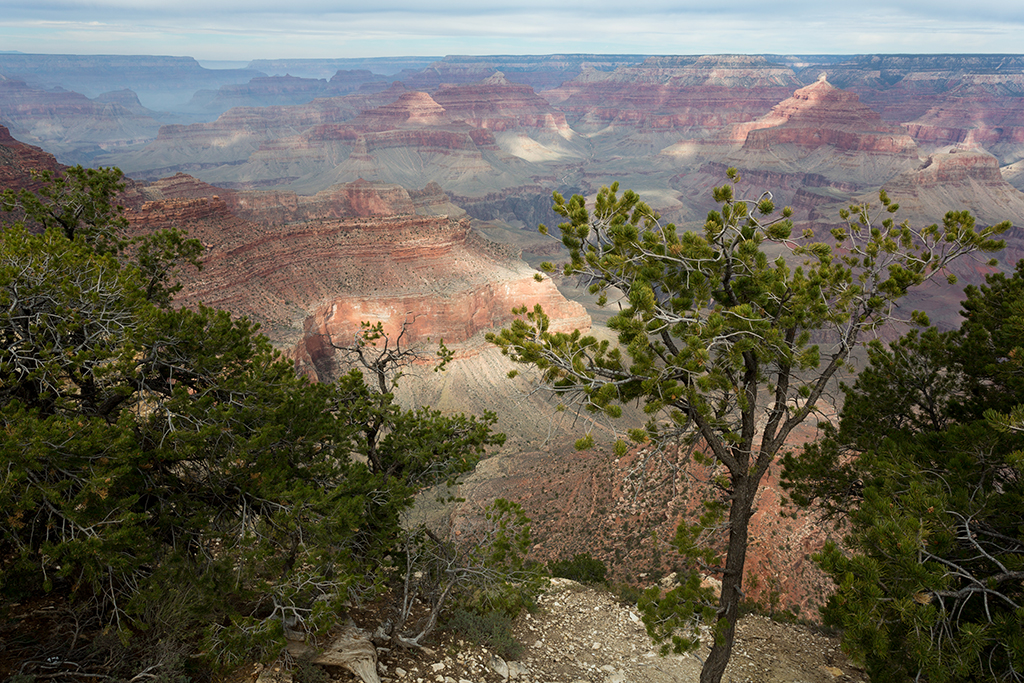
(71,125)
(18,161)
(312,269)
(819,115)
(677,93)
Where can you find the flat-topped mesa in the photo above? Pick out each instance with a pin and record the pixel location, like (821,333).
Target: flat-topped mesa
(68,123)
(310,269)
(240,132)
(956,166)
(262,123)
(410,109)
(820,114)
(287,90)
(979,114)
(958,179)
(497,104)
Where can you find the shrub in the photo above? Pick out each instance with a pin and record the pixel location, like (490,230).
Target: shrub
(489,629)
(582,567)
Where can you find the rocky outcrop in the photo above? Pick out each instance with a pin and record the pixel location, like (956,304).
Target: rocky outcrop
(312,269)
(675,92)
(71,125)
(432,276)
(820,114)
(287,90)
(162,82)
(823,133)
(904,87)
(540,72)
(410,109)
(327,68)
(977,116)
(625,511)
(498,105)
(239,133)
(19,161)
(955,180)
(406,137)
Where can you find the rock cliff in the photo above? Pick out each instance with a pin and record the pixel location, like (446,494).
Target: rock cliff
(18,161)
(162,82)
(311,269)
(497,104)
(397,136)
(819,115)
(674,92)
(287,90)
(72,126)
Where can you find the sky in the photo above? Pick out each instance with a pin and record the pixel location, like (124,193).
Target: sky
(275,29)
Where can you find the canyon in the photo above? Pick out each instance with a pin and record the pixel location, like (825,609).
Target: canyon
(407,192)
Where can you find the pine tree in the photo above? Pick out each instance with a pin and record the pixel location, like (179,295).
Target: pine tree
(166,470)
(727,348)
(926,469)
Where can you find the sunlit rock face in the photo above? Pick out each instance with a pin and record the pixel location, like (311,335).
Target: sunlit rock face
(312,269)
(985,112)
(497,104)
(820,114)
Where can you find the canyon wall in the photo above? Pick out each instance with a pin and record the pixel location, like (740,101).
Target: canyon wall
(311,270)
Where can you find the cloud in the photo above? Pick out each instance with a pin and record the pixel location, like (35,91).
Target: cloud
(245,29)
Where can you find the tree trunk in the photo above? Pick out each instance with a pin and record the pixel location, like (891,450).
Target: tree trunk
(732,581)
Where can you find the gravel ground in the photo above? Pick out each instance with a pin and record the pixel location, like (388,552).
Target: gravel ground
(584,635)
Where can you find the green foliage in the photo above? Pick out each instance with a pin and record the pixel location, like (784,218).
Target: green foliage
(626,593)
(582,568)
(167,469)
(79,203)
(676,618)
(492,629)
(481,570)
(726,348)
(501,545)
(933,489)
(496,581)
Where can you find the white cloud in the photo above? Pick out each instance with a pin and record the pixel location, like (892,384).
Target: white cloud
(245,29)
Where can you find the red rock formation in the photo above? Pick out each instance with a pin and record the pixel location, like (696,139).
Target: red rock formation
(674,92)
(957,180)
(18,161)
(625,511)
(406,138)
(68,123)
(240,132)
(975,116)
(538,71)
(313,268)
(903,88)
(820,114)
(496,104)
(411,108)
(287,90)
